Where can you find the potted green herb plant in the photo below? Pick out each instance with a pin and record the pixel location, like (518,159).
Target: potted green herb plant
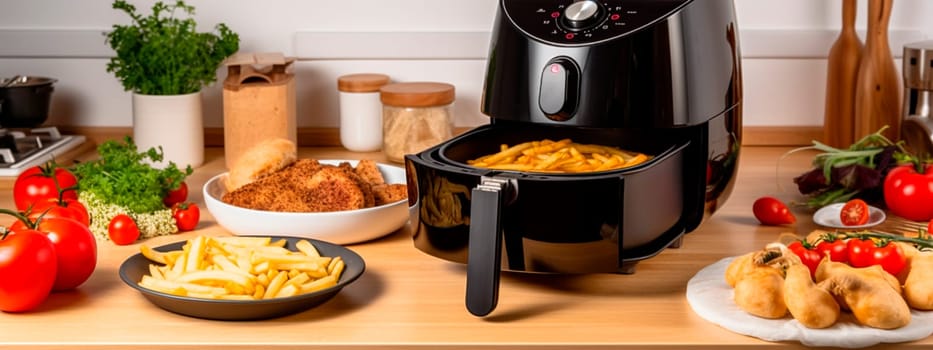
(165,62)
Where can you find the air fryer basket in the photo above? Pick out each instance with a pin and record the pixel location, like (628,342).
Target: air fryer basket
(543,222)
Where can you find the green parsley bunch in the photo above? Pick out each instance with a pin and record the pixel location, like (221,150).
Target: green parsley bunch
(123,176)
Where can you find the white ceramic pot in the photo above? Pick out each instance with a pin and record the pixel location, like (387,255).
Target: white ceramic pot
(174,122)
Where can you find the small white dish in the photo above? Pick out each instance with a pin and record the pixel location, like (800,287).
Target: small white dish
(829,216)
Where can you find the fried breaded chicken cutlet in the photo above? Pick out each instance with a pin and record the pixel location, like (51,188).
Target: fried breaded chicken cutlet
(308,186)
(337,188)
(389,193)
(278,191)
(369,171)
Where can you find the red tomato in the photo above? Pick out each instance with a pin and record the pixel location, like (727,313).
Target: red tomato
(811,258)
(854,213)
(42,182)
(861,252)
(123,230)
(75,247)
(908,193)
(836,249)
(891,258)
(930,227)
(28,264)
(69,208)
(186,215)
(771,211)
(176,196)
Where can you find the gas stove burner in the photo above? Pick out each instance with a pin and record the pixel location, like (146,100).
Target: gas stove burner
(22,149)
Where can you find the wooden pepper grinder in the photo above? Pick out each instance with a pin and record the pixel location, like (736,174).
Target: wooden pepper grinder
(842,68)
(877,97)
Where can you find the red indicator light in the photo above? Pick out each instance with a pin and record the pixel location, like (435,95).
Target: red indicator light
(614,17)
(555,68)
(555,14)
(569,36)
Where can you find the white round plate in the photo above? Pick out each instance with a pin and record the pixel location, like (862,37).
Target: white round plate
(828,216)
(712,299)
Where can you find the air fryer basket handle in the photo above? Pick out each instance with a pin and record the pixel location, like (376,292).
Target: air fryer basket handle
(485,247)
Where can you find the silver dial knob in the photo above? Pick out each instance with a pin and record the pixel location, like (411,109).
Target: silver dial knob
(581,14)
(581,10)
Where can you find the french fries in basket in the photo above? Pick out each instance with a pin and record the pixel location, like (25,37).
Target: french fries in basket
(240,268)
(563,156)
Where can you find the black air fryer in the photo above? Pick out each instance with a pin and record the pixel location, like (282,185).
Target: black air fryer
(660,77)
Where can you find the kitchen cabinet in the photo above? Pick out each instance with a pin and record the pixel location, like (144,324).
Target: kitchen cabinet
(409,299)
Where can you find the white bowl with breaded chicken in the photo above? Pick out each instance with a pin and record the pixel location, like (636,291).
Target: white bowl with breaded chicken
(333,200)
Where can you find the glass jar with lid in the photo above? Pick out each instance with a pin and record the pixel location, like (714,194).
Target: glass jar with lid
(416,116)
(361,111)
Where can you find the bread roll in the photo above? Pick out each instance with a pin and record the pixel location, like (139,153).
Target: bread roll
(260,160)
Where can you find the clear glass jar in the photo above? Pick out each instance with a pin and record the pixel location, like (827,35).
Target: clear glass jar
(361,111)
(415,117)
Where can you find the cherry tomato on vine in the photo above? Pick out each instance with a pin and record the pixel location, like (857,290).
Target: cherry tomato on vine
(854,213)
(75,247)
(771,211)
(891,257)
(861,252)
(836,249)
(123,230)
(28,265)
(187,215)
(43,182)
(808,256)
(176,196)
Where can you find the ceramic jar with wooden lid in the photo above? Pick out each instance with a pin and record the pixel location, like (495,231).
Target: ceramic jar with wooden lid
(416,116)
(361,111)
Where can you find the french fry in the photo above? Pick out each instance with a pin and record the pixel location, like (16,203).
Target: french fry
(240,268)
(307,248)
(563,156)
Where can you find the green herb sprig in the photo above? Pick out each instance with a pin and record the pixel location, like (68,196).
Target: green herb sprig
(124,176)
(922,242)
(854,172)
(162,54)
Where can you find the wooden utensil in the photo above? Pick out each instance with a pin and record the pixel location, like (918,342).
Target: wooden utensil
(877,97)
(842,68)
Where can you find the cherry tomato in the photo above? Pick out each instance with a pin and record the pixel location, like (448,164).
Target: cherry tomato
(69,208)
(861,252)
(836,249)
(808,256)
(28,265)
(123,230)
(854,213)
(771,211)
(186,215)
(42,182)
(176,196)
(891,257)
(75,248)
(909,193)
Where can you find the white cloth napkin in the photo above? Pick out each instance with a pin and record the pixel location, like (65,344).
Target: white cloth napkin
(711,298)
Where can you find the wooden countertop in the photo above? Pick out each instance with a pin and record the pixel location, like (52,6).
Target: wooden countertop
(407,298)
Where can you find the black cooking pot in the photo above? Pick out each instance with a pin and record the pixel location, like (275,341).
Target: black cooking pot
(24,101)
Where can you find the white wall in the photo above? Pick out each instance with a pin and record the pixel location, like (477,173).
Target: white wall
(784,44)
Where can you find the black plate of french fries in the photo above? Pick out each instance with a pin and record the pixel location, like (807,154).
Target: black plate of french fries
(241,277)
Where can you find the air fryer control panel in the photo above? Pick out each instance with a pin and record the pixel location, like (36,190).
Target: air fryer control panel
(576,22)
